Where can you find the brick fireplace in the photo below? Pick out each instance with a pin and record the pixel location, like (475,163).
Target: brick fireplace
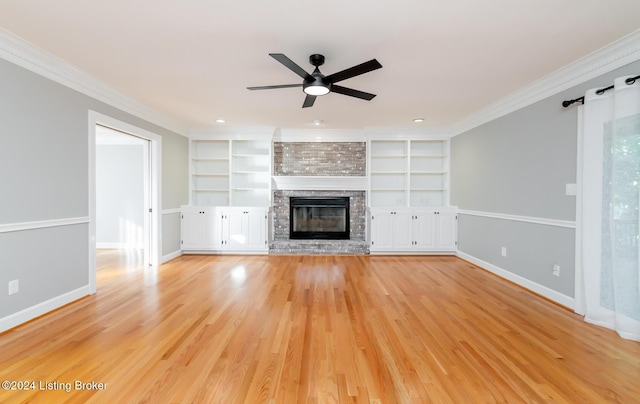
(319,170)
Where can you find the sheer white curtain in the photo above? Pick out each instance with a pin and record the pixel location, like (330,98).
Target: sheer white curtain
(608,208)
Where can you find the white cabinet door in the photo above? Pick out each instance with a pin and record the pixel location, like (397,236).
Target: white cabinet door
(446,231)
(381,230)
(424,224)
(391,230)
(244,229)
(233,230)
(198,228)
(402,228)
(257,229)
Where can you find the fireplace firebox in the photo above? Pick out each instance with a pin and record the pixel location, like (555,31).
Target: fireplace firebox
(319,218)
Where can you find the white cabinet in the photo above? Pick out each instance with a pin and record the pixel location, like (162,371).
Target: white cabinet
(244,229)
(391,230)
(198,228)
(224,229)
(408,173)
(413,230)
(435,229)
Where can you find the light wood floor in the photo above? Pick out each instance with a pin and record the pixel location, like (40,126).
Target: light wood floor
(315,329)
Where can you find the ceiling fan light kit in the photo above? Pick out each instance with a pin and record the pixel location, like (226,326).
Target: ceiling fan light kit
(317,84)
(316,89)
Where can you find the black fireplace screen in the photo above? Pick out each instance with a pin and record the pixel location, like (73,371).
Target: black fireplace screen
(319,218)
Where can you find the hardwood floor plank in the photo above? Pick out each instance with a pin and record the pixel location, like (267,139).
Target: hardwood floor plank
(315,329)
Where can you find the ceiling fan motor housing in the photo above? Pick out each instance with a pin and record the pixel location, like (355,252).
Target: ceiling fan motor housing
(316,60)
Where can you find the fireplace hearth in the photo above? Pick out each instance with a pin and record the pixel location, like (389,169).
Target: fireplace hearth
(319,218)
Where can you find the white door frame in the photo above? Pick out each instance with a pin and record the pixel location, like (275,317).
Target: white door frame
(154,175)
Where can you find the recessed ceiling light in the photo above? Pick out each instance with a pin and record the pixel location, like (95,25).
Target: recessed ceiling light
(418,120)
(220,121)
(317,122)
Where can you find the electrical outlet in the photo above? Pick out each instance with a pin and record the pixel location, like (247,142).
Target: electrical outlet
(504,251)
(556,269)
(14,287)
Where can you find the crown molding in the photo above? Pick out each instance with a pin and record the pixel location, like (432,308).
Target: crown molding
(319,135)
(233,132)
(404,132)
(617,54)
(36,60)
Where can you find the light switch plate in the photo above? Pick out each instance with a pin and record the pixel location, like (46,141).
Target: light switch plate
(14,287)
(570,189)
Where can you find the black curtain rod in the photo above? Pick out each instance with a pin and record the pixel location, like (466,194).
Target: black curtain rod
(601,91)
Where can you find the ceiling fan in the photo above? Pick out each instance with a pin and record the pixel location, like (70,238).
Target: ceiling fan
(316,83)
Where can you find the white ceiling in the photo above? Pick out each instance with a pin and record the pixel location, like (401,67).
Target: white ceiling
(192,60)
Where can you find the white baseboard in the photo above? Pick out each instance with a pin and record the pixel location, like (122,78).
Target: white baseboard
(391,252)
(519,280)
(171,256)
(225,252)
(111,246)
(39,309)
(118,246)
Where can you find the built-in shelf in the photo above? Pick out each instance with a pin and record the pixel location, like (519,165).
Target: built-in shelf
(408,173)
(402,172)
(230,172)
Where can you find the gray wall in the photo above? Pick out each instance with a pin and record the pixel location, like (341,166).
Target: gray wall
(518,165)
(175,190)
(44,176)
(120,196)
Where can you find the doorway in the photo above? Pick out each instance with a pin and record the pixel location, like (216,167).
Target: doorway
(124,202)
(122,193)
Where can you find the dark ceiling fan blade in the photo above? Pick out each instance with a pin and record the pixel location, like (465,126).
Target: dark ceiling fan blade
(362,68)
(351,92)
(276,86)
(308,101)
(291,65)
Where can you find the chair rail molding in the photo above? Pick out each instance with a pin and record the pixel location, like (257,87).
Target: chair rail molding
(41,224)
(527,219)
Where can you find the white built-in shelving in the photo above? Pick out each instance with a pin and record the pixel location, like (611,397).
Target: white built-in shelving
(250,172)
(428,173)
(388,172)
(408,173)
(209,172)
(230,172)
